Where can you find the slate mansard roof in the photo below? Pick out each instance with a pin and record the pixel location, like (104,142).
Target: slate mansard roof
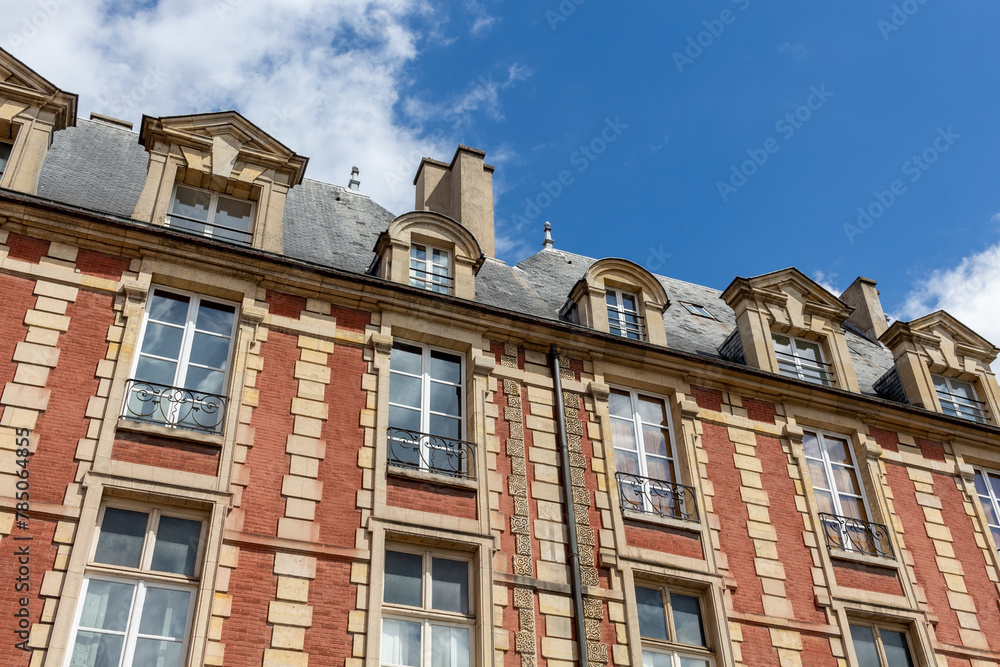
(103,168)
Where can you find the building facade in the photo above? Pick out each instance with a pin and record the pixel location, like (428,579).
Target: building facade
(248,418)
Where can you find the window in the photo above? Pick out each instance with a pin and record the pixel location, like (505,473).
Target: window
(427,618)
(430,268)
(959,399)
(181,371)
(842,506)
(5,149)
(988,489)
(880,647)
(671,628)
(801,359)
(623,315)
(696,309)
(211,214)
(138,595)
(644,457)
(425,411)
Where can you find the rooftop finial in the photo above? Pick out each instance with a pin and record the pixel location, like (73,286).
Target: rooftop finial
(549,243)
(355,184)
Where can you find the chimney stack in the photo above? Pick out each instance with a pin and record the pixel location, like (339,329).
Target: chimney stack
(462,190)
(868,315)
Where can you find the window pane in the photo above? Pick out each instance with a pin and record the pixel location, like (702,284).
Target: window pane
(400,643)
(162,340)
(628,302)
(446,398)
(405,358)
(687,620)
(156,371)
(446,427)
(418,252)
(817,473)
(782,343)
(205,380)
(807,350)
(824,501)
(837,450)
(446,367)
(404,418)
(652,411)
(627,463)
(96,649)
(176,545)
(810,443)
(449,646)
(440,257)
(853,508)
(215,317)
(157,653)
(106,605)
(623,434)
(167,307)
(659,469)
(405,390)
(402,578)
(122,533)
(620,404)
(209,350)
(651,659)
(652,617)
(656,441)
(612,298)
(164,613)
(191,203)
(991,515)
(404,448)
(864,646)
(693,662)
(995,483)
(981,488)
(450,587)
(4,155)
(897,654)
(846,480)
(234,213)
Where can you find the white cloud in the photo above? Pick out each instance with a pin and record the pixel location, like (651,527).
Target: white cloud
(482,22)
(323,76)
(827,282)
(969,291)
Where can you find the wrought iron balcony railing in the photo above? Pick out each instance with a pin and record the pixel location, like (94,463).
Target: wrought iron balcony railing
(801,368)
(628,324)
(175,407)
(964,407)
(864,537)
(203,228)
(655,496)
(436,282)
(431,453)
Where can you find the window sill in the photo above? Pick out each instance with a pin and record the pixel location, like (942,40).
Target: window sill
(432,478)
(213,439)
(863,559)
(668,522)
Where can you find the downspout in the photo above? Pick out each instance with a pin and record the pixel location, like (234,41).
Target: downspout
(574,548)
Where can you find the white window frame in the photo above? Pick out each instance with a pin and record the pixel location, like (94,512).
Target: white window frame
(876,628)
(141,577)
(697,309)
(825,371)
(976,414)
(424,614)
(184,356)
(213,208)
(993,499)
(637,424)
(676,651)
(621,312)
(427,278)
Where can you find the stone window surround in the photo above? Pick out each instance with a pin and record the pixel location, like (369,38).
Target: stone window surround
(705,652)
(590,296)
(430,229)
(911,624)
(251,195)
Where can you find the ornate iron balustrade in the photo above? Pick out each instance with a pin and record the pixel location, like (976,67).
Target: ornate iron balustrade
(431,453)
(173,406)
(865,537)
(801,368)
(655,496)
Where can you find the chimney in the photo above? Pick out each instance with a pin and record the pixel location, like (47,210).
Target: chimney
(868,315)
(462,190)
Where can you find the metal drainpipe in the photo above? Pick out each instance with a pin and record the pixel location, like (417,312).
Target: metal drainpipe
(574,548)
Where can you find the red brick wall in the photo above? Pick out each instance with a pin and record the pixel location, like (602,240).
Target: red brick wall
(72,383)
(427,497)
(332,596)
(932,451)
(285,305)
(253,585)
(816,652)
(707,399)
(17,300)
(867,578)
(42,553)
(26,248)
(760,411)
(757,649)
(888,440)
(101,265)
(351,320)
(152,450)
(506,500)
(664,539)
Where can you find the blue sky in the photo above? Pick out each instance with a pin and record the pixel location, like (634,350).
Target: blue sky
(643,123)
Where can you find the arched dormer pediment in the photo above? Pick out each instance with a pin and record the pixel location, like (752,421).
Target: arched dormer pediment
(430,250)
(619,296)
(224,155)
(939,346)
(782,307)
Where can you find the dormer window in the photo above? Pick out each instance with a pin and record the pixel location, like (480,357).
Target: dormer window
(5,149)
(801,359)
(623,315)
(211,214)
(430,268)
(959,399)
(696,309)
